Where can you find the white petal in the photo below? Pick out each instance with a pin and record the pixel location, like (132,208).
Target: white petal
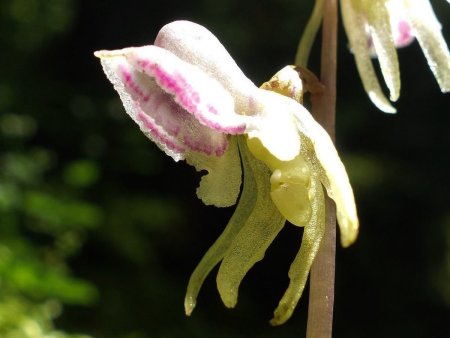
(195,44)
(274,125)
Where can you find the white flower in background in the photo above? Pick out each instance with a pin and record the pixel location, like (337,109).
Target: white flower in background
(378,27)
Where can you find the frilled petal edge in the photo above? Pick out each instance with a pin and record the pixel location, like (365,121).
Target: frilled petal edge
(221,185)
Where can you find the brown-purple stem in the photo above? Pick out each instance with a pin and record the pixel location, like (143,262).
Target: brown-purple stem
(321,293)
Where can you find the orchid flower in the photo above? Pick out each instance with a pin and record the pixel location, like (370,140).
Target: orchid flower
(188,96)
(377,27)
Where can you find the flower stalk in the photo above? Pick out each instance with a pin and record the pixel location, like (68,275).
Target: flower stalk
(309,34)
(321,299)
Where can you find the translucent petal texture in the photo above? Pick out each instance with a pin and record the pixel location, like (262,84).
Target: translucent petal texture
(355,27)
(427,30)
(113,66)
(197,45)
(319,151)
(381,33)
(218,250)
(300,267)
(250,244)
(221,186)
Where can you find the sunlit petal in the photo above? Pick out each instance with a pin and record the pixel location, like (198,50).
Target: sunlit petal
(381,33)
(195,44)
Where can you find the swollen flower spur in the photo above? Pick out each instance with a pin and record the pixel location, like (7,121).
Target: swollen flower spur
(377,27)
(188,96)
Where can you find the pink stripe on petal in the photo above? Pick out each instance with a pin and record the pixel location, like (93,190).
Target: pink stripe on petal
(192,89)
(167,121)
(158,134)
(403,35)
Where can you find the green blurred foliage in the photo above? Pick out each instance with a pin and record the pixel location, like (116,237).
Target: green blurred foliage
(99,231)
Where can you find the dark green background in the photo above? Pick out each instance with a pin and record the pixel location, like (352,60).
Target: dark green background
(94,217)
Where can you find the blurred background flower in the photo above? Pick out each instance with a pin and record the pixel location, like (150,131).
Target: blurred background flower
(376,28)
(99,232)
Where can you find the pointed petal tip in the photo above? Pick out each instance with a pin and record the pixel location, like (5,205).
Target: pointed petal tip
(104,54)
(381,102)
(277,320)
(394,95)
(349,231)
(189,305)
(229,298)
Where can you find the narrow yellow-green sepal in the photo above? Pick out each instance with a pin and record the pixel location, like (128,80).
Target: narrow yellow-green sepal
(381,33)
(300,267)
(250,244)
(217,251)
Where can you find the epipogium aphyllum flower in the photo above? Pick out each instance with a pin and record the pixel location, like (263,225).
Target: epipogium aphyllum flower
(377,27)
(189,97)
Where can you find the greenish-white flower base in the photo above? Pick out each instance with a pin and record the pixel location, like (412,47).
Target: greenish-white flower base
(254,225)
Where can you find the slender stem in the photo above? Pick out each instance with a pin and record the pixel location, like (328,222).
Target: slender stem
(321,299)
(309,34)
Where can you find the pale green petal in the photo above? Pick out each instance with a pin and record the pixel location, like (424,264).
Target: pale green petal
(354,24)
(249,246)
(217,251)
(300,267)
(319,150)
(220,187)
(380,28)
(427,30)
